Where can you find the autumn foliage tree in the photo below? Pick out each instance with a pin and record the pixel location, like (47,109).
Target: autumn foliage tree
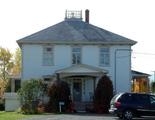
(103,95)
(6,65)
(16,62)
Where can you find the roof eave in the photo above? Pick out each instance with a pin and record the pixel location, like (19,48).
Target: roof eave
(76,42)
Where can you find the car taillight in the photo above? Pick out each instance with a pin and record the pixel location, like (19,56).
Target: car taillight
(117,104)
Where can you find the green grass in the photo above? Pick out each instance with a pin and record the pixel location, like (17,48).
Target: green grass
(12,116)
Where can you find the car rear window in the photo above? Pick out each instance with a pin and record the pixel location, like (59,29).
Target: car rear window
(125,98)
(115,97)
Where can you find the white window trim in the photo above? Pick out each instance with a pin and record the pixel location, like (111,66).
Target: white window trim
(103,65)
(45,46)
(72,47)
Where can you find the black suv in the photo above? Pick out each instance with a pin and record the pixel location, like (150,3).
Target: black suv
(129,105)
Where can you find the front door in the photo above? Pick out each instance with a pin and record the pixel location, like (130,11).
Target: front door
(77,90)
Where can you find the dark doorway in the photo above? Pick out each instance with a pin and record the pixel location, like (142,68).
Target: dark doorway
(77,91)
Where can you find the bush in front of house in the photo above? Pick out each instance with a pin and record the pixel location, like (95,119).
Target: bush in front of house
(103,94)
(59,91)
(29,94)
(2,102)
(153,87)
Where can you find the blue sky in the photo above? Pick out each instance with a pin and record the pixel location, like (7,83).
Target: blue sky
(131,18)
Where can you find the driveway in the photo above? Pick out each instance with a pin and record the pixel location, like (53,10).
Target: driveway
(81,117)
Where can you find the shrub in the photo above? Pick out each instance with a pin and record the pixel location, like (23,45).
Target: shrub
(2,106)
(103,95)
(58,91)
(29,94)
(153,87)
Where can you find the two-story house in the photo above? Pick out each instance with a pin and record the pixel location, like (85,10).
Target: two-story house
(80,53)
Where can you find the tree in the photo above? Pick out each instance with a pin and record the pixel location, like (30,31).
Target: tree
(103,95)
(17,62)
(5,66)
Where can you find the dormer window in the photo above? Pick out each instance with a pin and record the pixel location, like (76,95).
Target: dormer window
(76,55)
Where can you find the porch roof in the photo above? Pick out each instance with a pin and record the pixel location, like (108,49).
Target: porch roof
(139,74)
(81,69)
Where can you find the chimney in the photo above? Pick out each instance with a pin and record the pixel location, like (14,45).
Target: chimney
(87,15)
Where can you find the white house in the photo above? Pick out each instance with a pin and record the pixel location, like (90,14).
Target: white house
(80,53)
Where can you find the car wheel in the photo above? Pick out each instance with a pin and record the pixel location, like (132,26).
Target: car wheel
(128,115)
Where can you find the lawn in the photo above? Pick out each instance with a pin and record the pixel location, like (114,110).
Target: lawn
(12,116)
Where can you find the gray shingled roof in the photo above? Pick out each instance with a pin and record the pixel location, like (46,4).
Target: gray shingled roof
(75,31)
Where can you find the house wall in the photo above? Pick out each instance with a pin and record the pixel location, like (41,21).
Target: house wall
(122,69)
(33,67)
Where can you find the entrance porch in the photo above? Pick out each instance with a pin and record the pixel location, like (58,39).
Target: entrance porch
(82,90)
(82,80)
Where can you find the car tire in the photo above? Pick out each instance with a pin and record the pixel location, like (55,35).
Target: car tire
(128,115)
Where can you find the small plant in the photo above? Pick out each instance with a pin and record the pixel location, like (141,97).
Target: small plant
(29,95)
(103,95)
(59,91)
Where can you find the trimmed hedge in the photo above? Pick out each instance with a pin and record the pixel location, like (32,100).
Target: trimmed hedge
(59,91)
(103,95)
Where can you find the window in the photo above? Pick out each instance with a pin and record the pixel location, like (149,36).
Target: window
(141,99)
(126,98)
(13,85)
(76,55)
(47,56)
(152,99)
(47,79)
(104,57)
(17,84)
(46,83)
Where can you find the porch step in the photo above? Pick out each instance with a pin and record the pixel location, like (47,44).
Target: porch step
(81,106)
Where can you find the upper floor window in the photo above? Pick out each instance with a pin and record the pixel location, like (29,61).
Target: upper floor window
(76,55)
(48,56)
(104,56)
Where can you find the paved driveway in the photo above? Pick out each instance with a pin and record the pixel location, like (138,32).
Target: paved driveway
(81,117)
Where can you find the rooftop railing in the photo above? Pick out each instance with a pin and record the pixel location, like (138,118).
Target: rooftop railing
(73,14)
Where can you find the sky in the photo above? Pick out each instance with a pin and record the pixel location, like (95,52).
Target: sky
(134,19)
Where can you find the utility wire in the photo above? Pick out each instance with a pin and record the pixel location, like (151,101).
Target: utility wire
(153,54)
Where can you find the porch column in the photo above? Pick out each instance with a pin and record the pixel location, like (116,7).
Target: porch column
(148,85)
(133,85)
